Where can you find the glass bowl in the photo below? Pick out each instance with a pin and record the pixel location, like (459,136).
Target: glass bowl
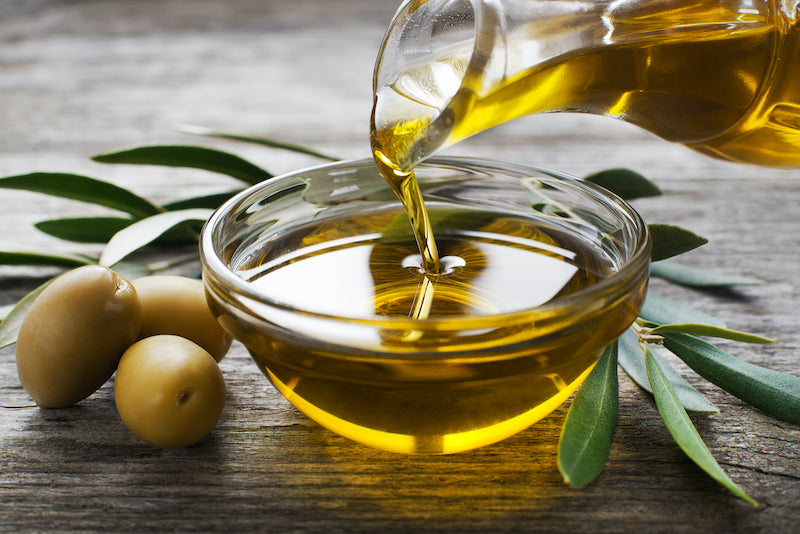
(316,272)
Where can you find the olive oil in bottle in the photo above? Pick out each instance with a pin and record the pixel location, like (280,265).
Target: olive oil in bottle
(718,76)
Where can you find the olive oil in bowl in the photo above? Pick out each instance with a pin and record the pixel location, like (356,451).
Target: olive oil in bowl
(319,274)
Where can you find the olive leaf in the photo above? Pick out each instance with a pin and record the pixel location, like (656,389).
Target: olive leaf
(19,254)
(211,202)
(264,141)
(625,183)
(772,392)
(196,157)
(9,327)
(688,275)
(683,431)
(131,271)
(588,431)
(631,359)
(84,229)
(710,331)
(145,231)
(102,229)
(82,188)
(670,240)
(661,310)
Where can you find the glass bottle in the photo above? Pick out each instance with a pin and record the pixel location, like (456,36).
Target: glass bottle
(720,76)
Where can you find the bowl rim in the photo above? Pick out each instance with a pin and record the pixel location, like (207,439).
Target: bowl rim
(213,266)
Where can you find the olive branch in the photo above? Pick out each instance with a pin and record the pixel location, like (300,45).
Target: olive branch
(588,431)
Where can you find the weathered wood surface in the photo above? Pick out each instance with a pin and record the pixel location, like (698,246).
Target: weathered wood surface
(88,76)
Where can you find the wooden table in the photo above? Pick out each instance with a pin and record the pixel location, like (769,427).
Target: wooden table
(89,76)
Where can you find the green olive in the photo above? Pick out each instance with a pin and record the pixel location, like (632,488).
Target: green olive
(169,391)
(74,334)
(177,305)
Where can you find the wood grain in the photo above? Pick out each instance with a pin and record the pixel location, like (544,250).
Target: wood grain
(88,76)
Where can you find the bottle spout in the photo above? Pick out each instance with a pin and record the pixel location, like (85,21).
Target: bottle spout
(421,66)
